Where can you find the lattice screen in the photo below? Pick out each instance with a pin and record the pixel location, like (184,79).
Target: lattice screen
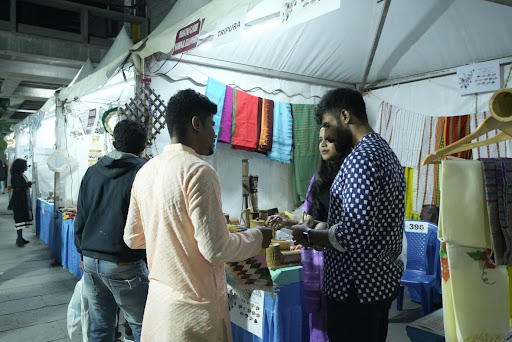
(148,108)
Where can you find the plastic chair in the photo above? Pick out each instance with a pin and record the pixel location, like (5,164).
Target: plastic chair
(423,270)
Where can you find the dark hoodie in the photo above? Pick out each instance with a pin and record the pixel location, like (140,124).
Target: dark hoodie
(103,204)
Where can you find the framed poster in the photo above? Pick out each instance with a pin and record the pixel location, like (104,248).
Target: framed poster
(479,78)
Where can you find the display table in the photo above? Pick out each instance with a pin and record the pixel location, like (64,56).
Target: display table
(285,318)
(60,238)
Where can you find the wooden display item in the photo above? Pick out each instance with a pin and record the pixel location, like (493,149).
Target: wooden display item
(277,258)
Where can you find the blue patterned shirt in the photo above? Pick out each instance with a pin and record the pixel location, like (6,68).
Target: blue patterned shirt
(366,216)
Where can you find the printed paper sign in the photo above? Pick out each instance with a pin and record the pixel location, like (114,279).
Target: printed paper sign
(91,122)
(247,313)
(187,37)
(92,118)
(479,78)
(416,227)
(230,28)
(298,11)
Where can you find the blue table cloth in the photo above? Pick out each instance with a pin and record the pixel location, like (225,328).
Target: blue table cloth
(60,237)
(70,256)
(44,221)
(285,317)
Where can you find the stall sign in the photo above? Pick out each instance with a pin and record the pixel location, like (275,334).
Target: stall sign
(478,78)
(230,28)
(187,37)
(245,312)
(295,12)
(416,227)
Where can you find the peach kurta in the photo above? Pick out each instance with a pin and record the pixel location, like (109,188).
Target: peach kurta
(176,214)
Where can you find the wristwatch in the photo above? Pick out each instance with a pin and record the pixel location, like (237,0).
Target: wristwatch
(307,237)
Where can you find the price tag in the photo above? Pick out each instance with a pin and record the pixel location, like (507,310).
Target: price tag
(416,227)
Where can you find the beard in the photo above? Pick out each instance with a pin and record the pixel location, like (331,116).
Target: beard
(344,139)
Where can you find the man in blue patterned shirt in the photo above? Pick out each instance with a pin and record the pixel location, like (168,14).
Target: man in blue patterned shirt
(366,215)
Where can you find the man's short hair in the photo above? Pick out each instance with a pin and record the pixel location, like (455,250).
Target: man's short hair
(183,106)
(334,101)
(130,136)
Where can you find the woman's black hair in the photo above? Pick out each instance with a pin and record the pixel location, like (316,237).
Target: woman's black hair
(320,189)
(18,166)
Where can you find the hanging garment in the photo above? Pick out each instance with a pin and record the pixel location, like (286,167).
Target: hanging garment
(215,91)
(267,125)
(498,244)
(463,204)
(472,284)
(441,122)
(407,137)
(409,176)
(306,156)
(282,135)
(475,295)
(424,175)
(245,122)
(226,122)
(386,122)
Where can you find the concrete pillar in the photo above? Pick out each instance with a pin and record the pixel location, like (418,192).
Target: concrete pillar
(12,16)
(84,25)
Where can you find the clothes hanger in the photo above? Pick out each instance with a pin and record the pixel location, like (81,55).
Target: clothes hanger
(500,119)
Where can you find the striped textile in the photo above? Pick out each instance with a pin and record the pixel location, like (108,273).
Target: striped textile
(306,156)
(491,194)
(407,136)
(499,150)
(424,175)
(441,121)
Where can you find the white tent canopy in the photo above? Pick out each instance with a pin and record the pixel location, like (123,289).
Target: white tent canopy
(418,36)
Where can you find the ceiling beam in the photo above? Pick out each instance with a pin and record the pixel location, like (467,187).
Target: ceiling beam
(375,43)
(9,85)
(13,106)
(100,12)
(36,72)
(40,93)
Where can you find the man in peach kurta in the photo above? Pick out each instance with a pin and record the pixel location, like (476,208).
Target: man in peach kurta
(176,215)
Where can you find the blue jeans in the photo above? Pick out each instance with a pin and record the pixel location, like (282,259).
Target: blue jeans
(108,286)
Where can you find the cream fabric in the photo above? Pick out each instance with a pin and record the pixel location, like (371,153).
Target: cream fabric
(176,214)
(475,293)
(465,221)
(479,294)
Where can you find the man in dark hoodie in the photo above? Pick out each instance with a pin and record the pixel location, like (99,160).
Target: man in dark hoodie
(114,275)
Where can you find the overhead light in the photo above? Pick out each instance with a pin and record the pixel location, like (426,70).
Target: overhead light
(205,46)
(258,28)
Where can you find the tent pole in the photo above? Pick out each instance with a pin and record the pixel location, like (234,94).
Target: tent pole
(375,44)
(427,75)
(58,141)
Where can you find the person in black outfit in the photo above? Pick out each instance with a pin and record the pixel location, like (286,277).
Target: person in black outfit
(3,175)
(20,201)
(114,275)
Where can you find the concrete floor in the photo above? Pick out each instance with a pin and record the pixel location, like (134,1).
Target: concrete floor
(35,292)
